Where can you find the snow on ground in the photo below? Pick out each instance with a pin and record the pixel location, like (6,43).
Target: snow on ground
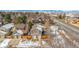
(5,43)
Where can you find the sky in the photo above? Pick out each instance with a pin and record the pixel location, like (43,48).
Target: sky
(39,4)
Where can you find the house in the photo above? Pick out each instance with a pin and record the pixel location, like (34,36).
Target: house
(6,28)
(23,27)
(53,29)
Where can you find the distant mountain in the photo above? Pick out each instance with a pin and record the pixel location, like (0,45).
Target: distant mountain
(65,11)
(73,11)
(31,11)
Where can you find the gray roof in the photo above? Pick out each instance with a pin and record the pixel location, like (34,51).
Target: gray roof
(4,29)
(7,26)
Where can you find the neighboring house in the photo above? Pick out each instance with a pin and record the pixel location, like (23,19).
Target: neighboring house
(53,29)
(6,28)
(18,33)
(22,27)
(37,29)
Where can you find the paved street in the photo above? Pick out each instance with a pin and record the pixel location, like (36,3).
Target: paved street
(70,37)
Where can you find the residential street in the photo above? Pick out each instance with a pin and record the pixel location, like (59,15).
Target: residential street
(38,30)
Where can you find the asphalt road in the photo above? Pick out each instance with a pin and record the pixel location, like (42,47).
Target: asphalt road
(73,33)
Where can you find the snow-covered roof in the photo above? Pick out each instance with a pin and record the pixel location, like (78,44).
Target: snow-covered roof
(38,25)
(54,28)
(2,32)
(7,26)
(18,32)
(38,28)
